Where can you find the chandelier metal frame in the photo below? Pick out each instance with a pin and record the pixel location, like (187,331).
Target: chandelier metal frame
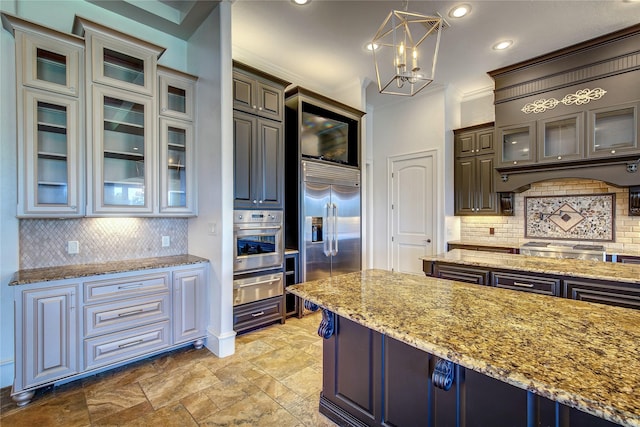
(403,34)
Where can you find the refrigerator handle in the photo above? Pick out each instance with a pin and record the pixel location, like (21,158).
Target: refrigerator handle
(335,230)
(328,247)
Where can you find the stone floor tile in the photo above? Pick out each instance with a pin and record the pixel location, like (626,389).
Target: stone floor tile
(103,400)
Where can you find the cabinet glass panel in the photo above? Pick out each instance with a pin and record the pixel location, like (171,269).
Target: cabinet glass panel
(516,145)
(176,173)
(123,67)
(52,165)
(177,99)
(51,67)
(561,138)
(614,130)
(124,152)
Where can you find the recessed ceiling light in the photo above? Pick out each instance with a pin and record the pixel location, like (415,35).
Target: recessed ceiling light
(502,45)
(301,2)
(459,10)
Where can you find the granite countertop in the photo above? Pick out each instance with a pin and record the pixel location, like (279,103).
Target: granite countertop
(580,354)
(35,275)
(599,270)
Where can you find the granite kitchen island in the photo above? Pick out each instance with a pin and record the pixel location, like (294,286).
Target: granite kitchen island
(410,350)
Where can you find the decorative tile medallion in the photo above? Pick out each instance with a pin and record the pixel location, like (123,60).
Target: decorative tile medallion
(574,217)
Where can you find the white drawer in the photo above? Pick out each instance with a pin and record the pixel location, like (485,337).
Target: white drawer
(125,314)
(126,287)
(112,348)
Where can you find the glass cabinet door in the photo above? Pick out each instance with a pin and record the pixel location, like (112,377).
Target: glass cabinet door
(560,138)
(51,64)
(176,161)
(123,152)
(51,152)
(177,91)
(517,145)
(124,66)
(614,131)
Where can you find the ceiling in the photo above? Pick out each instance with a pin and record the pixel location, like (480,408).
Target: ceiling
(321,45)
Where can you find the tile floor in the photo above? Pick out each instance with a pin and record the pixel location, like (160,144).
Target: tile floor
(273,379)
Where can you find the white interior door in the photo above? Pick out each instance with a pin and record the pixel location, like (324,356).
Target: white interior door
(413,210)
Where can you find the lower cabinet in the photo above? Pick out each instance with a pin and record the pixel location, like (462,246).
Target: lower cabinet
(257,314)
(373,380)
(69,328)
(526,282)
(48,340)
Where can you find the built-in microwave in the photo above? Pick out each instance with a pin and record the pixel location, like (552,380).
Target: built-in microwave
(327,135)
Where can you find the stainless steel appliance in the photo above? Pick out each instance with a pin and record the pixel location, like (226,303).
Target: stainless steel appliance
(256,288)
(559,250)
(258,241)
(330,220)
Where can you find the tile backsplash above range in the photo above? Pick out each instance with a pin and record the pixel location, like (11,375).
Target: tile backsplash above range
(613,223)
(44,242)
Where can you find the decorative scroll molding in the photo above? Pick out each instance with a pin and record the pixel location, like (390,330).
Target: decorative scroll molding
(443,374)
(581,97)
(326,328)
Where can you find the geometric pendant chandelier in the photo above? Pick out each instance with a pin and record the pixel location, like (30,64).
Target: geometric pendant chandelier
(405,52)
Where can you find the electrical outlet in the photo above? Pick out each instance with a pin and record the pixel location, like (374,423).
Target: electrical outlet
(166,241)
(73,247)
(212,228)
(492,231)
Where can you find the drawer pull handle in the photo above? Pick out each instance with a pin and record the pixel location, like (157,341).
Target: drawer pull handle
(136,285)
(129,344)
(260,313)
(129,313)
(524,285)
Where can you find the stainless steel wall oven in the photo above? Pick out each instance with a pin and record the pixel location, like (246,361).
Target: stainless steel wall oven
(258,241)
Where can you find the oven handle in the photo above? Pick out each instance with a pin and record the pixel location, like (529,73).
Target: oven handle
(262,282)
(328,246)
(257,227)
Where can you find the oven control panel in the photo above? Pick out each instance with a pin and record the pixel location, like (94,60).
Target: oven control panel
(260,217)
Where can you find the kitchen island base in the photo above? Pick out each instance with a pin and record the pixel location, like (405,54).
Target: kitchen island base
(370,379)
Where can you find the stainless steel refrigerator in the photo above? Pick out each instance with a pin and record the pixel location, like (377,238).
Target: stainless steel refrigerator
(330,218)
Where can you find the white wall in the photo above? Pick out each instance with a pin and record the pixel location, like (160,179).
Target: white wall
(411,125)
(210,56)
(58,15)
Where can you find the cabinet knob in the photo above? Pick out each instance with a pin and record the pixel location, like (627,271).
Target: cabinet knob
(515,162)
(259,108)
(613,151)
(259,201)
(255,201)
(559,157)
(254,106)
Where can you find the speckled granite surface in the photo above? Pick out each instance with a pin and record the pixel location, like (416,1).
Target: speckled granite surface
(35,275)
(580,354)
(614,271)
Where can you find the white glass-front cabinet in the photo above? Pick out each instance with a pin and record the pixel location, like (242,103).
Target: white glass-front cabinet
(177,148)
(50,125)
(122,156)
(51,181)
(123,152)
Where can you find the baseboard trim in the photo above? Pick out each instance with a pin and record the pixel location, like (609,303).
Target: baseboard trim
(221,345)
(337,414)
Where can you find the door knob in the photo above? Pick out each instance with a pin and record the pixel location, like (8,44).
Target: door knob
(428,241)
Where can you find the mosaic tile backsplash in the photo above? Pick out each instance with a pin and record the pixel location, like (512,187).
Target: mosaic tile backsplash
(589,217)
(43,242)
(511,228)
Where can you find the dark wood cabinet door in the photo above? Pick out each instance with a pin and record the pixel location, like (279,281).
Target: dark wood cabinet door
(465,190)
(351,371)
(271,167)
(244,135)
(486,200)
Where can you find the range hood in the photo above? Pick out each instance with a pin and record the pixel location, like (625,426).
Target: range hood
(620,172)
